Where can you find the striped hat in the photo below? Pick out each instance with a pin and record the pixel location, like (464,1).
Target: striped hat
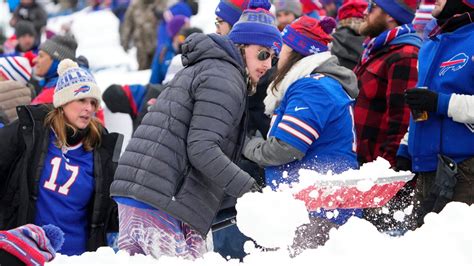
(74,83)
(403,11)
(31,244)
(257,26)
(230,10)
(15,68)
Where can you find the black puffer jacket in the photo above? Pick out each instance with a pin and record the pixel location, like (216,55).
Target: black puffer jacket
(24,146)
(181,159)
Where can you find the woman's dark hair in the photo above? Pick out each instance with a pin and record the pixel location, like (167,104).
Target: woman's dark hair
(281,73)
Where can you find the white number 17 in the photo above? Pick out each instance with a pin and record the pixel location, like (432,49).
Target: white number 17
(51,183)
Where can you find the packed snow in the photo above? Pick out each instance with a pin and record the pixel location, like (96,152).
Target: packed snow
(445,239)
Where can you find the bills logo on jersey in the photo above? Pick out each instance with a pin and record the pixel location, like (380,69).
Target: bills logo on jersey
(455,63)
(82,89)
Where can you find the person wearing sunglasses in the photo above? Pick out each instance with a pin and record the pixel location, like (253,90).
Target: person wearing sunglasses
(311,101)
(387,68)
(179,168)
(227,14)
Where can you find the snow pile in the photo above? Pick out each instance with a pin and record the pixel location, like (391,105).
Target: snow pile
(445,239)
(270,218)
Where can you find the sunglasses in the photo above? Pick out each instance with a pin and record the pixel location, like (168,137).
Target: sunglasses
(371,6)
(218,22)
(263,55)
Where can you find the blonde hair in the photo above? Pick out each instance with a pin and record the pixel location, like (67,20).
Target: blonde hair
(352,23)
(57,121)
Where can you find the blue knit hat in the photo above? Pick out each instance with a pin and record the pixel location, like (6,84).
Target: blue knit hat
(230,10)
(469,3)
(403,11)
(257,26)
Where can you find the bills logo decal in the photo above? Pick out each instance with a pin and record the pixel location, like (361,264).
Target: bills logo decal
(455,63)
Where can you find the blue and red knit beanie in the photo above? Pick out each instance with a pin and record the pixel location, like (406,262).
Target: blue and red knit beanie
(403,11)
(230,10)
(257,26)
(31,244)
(470,3)
(308,35)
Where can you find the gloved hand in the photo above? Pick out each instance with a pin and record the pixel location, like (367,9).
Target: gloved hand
(403,164)
(421,99)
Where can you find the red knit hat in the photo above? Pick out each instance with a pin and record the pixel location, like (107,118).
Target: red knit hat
(308,35)
(352,9)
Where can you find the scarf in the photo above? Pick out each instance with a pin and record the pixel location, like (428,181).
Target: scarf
(302,68)
(376,44)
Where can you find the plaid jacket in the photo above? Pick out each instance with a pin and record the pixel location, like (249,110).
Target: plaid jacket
(381,115)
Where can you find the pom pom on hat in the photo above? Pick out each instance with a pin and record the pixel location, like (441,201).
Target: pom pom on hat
(257,26)
(307,35)
(254,4)
(74,83)
(66,64)
(328,24)
(55,235)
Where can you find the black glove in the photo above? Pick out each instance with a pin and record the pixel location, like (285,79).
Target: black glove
(117,101)
(403,164)
(422,99)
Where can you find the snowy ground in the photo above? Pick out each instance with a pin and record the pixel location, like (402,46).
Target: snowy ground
(445,239)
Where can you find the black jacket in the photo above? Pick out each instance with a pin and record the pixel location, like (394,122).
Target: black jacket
(24,146)
(181,159)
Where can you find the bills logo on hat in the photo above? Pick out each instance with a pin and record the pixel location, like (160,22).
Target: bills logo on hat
(83,89)
(455,63)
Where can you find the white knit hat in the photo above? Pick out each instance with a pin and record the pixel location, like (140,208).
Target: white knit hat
(74,83)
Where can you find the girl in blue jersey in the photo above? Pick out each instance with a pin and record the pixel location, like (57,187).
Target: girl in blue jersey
(311,101)
(57,165)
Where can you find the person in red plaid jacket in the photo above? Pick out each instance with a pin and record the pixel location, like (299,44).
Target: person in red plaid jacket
(387,68)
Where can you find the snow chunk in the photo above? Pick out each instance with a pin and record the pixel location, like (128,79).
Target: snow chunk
(270,218)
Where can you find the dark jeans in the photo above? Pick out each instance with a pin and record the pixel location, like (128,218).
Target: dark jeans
(463,191)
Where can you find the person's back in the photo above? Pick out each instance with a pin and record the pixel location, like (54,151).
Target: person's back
(180,164)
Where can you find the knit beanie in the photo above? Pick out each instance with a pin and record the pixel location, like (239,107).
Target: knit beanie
(15,68)
(293,6)
(31,244)
(24,27)
(230,10)
(352,9)
(403,11)
(454,7)
(60,47)
(74,83)
(307,35)
(257,26)
(175,25)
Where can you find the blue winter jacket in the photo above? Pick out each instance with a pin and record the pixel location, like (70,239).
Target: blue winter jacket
(446,66)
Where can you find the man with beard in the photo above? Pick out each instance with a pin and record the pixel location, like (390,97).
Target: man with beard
(387,68)
(446,138)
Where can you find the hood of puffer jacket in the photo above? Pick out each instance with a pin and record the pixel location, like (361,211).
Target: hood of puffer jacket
(199,46)
(346,77)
